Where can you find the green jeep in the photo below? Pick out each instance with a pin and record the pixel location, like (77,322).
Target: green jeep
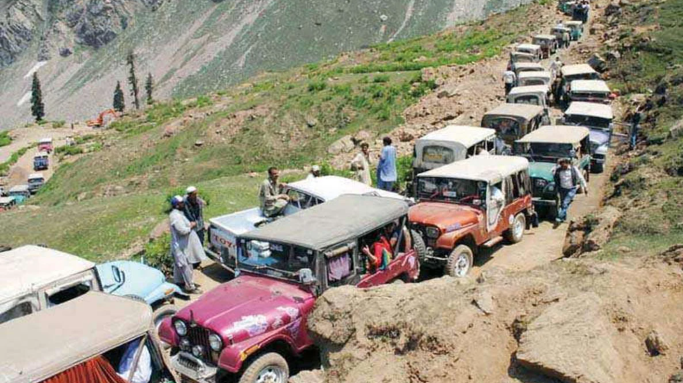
(544,147)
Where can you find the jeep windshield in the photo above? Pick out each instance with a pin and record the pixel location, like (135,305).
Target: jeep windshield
(588,121)
(451,190)
(275,260)
(545,152)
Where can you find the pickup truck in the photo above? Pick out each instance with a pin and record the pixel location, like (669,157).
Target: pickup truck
(224,231)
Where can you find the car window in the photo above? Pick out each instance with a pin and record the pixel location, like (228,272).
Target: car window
(529,100)
(509,191)
(17,311)
(505,126)
(301,199)
(68,293)
(438,155)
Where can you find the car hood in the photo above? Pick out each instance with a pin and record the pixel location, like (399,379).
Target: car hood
(598,136)
(541,170)
(246,307)
(140,279)
(443,215)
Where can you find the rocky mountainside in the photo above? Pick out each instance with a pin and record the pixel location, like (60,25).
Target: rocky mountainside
(191,47)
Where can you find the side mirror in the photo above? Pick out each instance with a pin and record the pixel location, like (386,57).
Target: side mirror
(307,278)
(119,276)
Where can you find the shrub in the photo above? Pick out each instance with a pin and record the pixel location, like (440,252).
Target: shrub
(317,86)
(381,78)
(157,254)
(68,150)
(58,124)
(5,139)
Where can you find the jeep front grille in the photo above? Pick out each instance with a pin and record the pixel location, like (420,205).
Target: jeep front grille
(199,336)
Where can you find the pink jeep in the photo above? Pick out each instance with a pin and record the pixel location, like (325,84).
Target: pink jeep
(249,328)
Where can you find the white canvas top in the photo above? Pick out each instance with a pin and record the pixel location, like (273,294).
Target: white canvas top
(546,37)
(330,187)
(489,169)
(529,65)
(6,200)
(38,346)
(46,140)
(560,28)
(590,109)
(561,134)
(35,176)
(573,23)
(571,70)
(19,188)
(31,267)
(41,154)
(544,75)
(532,89)
(468,136)
(529,46)
(597,86)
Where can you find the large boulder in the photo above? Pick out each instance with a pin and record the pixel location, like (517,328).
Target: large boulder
(342,145)
(590,233)
(571,341)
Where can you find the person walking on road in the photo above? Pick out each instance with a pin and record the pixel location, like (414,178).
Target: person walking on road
(273,200)
(186,249)
(194,211)
(361,164)
(386,169)
(568,178)
(635,127)
(566,38)
(556,67)
(509,78)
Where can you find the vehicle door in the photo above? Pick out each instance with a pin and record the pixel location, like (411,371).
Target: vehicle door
(68,288)
(403,261)
(517,188)
(495,202)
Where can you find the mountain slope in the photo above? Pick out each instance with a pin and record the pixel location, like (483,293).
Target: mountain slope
(191,47)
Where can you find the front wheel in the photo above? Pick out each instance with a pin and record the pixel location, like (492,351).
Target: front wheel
(459,262)
(267,368)
(516,232)
(419,246)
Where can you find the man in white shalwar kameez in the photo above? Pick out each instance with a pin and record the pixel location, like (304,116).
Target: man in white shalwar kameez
(186,248)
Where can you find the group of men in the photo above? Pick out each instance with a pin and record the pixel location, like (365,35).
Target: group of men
(580,12)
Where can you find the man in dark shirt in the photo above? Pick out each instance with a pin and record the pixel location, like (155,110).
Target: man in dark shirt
(194,211)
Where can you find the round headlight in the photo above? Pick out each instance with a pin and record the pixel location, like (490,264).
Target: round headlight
(180,327)
(551,187)
(185,345)
(541,182)
(433,232)
(215,342)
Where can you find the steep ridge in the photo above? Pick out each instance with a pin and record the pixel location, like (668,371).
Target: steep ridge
(192,47)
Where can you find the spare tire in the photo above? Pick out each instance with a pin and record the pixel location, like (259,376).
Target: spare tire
(419,246)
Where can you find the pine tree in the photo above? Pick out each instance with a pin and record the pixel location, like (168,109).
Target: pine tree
(133,80)
(37,105)
(119,101)
(149,87)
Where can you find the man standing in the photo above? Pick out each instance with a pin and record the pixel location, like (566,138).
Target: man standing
(509,77)
(186,249)
(555,67)
(314,173)
(194,211)
(361,164)
(568,178)
(273,201)
(386,168)
(566,38)
(635,127)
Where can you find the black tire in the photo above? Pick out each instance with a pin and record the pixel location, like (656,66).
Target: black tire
(552,210)
(419,246)
(511,234)
(598,168)
(459,262)
(261,364)
(158,317)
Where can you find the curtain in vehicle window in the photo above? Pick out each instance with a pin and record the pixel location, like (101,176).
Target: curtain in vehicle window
(95,370)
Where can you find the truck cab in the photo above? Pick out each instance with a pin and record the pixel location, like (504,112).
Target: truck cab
(246,330)
(470,204)
(20,193)
(224,231)
(35,182)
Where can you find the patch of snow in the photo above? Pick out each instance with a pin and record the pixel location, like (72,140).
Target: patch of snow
(24,99)
(35,68)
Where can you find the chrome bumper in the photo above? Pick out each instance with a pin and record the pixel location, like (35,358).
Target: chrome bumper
(544,202)
(188,365)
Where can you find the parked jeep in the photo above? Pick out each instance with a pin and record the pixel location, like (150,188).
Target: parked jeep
(570,73)
(471,204)
(548,44)
(36,278)
(599,119)
(544,148)
(248,328)
(559,32)
(41,161)
(528,67)
(224,231)
(7,203)
(530,95)
(45,145)
(590,91)
(576,28)
(83,340)
(520,57)
(513,121)
(535,78)
(532,49)
(35,182)
(20,193)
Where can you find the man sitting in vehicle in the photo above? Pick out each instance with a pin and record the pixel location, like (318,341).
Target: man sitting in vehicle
(273,201)
(568,178)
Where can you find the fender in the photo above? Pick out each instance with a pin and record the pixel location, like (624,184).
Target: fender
(164,291)
(448,240)
(167,334)
(232,357)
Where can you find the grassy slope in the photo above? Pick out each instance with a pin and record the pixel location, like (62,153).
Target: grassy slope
(368,90)
(650,194)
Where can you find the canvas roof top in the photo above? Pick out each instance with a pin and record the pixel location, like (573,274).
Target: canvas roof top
(38,346)
(32,267)
(590,109)
(573,22)
(543,74)
(480,168)
(528,46)
(516,110)
(561,134)
(465,135)
(589,86)
(35,175)
(331,223)
(543,36)
(534,89)
(529,65)
(19,188)
(331,187)
(6,200)
(571,70)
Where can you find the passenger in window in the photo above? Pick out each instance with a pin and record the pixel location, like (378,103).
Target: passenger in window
(143,370)
(378,255)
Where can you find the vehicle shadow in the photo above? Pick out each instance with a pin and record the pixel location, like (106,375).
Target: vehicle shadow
(216,273)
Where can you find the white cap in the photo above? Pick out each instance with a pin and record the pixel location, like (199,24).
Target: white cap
(315,168)
(191,190)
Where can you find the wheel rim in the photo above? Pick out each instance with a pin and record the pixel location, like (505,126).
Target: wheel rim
(271,374)
(518,229)
(462,265)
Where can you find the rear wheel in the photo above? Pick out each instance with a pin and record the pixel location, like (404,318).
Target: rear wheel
(516,232)
(267,368)
(459,262)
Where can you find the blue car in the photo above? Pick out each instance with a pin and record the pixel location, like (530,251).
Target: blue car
(127,278)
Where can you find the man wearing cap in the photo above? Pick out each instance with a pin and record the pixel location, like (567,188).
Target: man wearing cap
(361,164)
(273,200)
(194,211)
(568,178)
(314,173)
(186,249)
